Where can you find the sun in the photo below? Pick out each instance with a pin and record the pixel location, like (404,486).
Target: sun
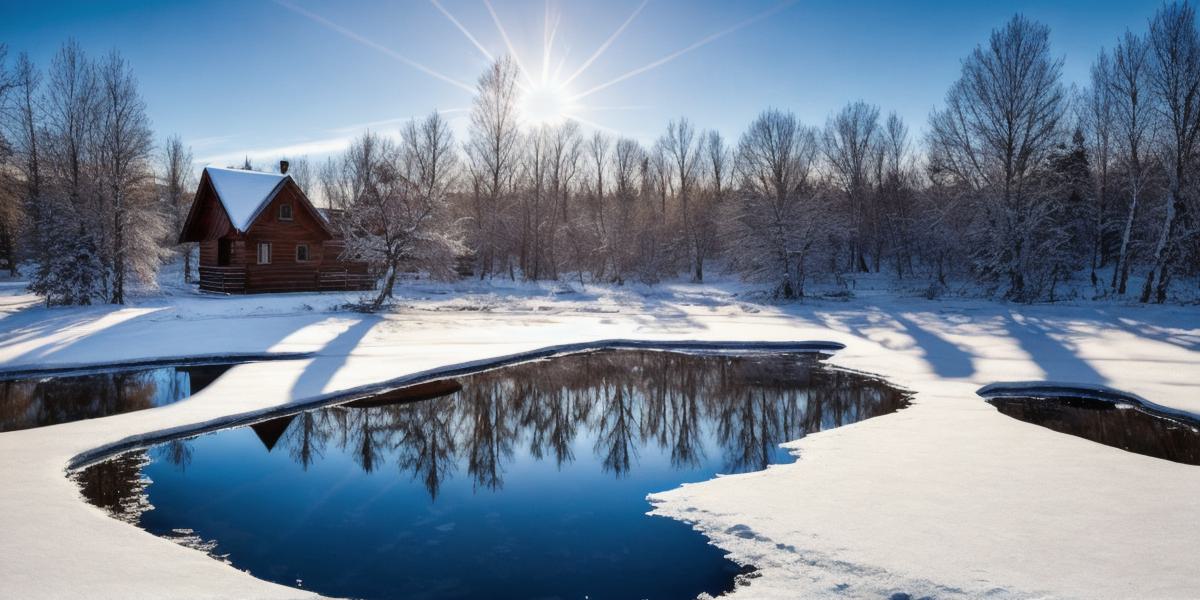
(546,104)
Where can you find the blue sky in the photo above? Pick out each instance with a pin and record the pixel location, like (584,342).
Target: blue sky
(268,78)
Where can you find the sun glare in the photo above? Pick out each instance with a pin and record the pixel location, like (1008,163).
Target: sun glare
(546,104)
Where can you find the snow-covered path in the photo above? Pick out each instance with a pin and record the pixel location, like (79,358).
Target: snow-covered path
(946,497)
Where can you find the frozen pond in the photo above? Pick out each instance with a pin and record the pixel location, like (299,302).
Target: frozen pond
(527,481)
(38,401)
(1113,423)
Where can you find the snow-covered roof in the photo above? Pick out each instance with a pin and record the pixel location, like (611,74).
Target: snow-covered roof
(244,193)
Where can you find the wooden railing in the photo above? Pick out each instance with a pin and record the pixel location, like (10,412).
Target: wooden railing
(223,280)
(344,279)
(237,280)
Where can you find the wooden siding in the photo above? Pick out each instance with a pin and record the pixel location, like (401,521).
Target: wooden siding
(207,220)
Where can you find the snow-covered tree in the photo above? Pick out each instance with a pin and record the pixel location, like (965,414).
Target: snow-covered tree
(1174,77)
(775,217)
(682,149)
(175,193)
(1125,78)
(393,201)
(850,138)
(493,154)
(135,227)
(1001,120)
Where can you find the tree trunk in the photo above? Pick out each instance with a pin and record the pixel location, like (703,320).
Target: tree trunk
(187,263)
(1121,270)
(118,292)
(1162,250)
(386,290)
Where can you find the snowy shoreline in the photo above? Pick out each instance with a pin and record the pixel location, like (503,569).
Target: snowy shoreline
(947,497)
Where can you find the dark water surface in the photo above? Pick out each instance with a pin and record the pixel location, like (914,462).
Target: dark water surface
(40,401)
(1115,424)
(527,481)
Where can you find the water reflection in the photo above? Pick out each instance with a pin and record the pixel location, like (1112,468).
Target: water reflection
(526,481)
(38,402)
(1118,425)
(623,400)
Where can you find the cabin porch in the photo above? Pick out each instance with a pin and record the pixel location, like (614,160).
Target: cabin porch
(242,279)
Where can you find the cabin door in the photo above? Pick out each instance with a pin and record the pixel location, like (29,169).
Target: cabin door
(224,248)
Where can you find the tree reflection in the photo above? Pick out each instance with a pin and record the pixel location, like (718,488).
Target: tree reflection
(42,401)
(616,427)
(306,437)
(427,445)
(117,485)
(619,403)
(174,452)
(487,409)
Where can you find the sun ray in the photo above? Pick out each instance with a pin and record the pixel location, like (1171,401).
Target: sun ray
(373,45)
(596,108)
(589,123)
(676,54)
(548,36)
(561,62)
(464,30)
(512,51)
(612,38)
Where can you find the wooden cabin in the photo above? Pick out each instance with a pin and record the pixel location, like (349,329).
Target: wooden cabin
(258,232)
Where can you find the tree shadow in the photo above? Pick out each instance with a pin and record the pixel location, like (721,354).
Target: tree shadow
(1055,359)
(947,359)
(331,358)
(1154,326)
(86,335)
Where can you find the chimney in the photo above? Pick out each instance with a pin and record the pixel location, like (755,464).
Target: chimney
(283,166)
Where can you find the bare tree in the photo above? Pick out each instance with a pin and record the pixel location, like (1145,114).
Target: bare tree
(1000,123)
(71,107)
(393,201)
(563,153)
(176,193)
(776,217)
(493,152)
(896,180)
(849,141)
(123,153)
(25,132)
(1125,77)
(715,167)
(682,150)
(10,196)
(532,203)
(70,271)
(303,173)
(1095,112)
(628,160)
(1175,80)
(602,230)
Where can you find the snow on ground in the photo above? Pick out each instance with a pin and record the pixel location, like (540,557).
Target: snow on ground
(946,498)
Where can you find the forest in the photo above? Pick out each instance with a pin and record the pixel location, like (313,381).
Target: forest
(1023,187)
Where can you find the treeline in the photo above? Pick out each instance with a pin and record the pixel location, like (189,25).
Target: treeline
(82,194)
(1023,187)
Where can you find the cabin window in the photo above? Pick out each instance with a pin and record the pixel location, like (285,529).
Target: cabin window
(264,253)
(301,252)
(285,212)
(224,249)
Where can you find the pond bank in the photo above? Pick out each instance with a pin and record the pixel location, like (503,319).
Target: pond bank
(947,497)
